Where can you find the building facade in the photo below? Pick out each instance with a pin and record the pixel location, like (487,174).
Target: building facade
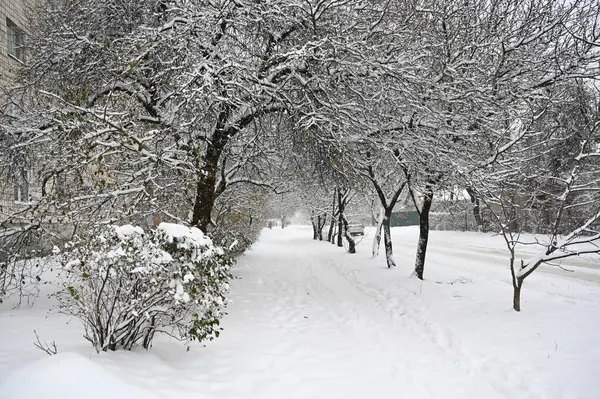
(13,23)
(14,184)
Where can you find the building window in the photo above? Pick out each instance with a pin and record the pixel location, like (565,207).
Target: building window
(22,187)
(15,40)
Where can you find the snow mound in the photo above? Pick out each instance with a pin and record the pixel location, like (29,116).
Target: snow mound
(68,376)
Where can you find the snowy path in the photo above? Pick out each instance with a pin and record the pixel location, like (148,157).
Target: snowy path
(311,321)
(317,333)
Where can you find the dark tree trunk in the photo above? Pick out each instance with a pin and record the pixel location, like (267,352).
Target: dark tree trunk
(423,233)
(207,178)
(514,223)
(340,231)
(314,225)
(547,218)
(387,239)
(321,223)
(331,230)
(349,238)
(476,208)
(333,215)
(206,193)
(205,187)
(516,282)
(519,275)
(204,202)
(517,295)
(317,228)
(341,208)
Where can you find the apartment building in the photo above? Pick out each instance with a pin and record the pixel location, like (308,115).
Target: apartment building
(13,23)
(14,184)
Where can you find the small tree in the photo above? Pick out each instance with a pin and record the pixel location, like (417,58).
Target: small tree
(423,208)
(556,168)
(126,285)
(388,184)
(344,196)
(334,215)
(318,220)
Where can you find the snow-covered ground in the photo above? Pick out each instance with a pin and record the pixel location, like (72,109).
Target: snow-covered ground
(311,321)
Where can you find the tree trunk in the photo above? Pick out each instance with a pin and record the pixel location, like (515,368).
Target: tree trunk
(341,207)
(349,238)
(207,176)
(386,208)
(331,230)
(377,238)
(517,282)
(387,239)
(517,295)
(423,233)
(333,214)
(476,208)
(340,231)
(314,225)
(318,228)
(204,202)
(321,223)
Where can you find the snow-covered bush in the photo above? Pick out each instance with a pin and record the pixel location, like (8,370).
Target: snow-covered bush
(239,217)
(235,241)
(236,233)
(126,284)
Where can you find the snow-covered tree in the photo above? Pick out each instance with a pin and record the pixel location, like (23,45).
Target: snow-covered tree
(149,100)
(551,176)
(483,65)
(153,109)
(382,171)
(168,108)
